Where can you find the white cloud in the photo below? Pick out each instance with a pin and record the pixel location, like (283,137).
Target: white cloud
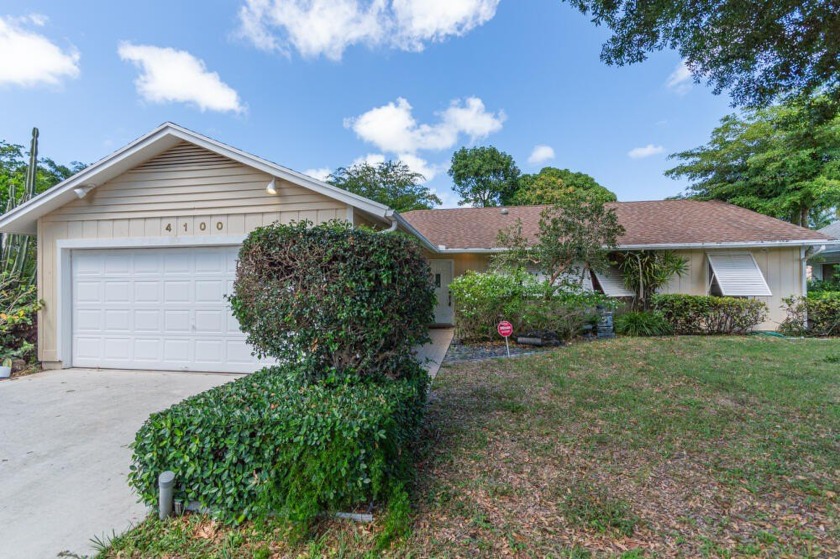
(372,159)
(322,173)
(393,129)
(328,27)
(169,75)
(645,151)
(680,81)
(541,154)
(28,58)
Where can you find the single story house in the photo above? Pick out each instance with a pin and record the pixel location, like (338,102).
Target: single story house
(825,265)
(136,252)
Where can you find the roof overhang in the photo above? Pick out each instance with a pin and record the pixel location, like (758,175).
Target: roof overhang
(23,219)
(670,246)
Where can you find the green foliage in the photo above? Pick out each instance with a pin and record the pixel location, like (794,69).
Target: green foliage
(531,305)
(19,306)
(646,271)
(267,444)
(484,176)
(641,323)
(816,287)
(336,300)
(815,315)
(391,183)
(553,186)
(758,51)
(706,314)
(22,176)
(783,161)
(573,237)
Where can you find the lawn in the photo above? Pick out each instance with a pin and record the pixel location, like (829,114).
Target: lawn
(694,447)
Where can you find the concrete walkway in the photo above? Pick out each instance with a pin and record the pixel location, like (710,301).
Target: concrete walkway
(64,455)
(432,354)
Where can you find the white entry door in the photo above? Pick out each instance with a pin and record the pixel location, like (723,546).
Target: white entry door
(442,272)
(157,308)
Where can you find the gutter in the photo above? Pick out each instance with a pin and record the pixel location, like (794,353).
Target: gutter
(671,246)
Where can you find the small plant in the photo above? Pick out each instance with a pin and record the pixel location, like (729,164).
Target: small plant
(641,323)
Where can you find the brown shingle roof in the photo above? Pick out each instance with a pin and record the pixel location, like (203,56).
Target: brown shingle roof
(672,222)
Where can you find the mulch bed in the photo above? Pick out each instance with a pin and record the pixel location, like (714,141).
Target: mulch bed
(459,352)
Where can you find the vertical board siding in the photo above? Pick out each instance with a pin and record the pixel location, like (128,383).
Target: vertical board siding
(184,192)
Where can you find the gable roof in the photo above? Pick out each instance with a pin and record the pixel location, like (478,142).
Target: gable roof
(656,224)
(832,230)
(23,219)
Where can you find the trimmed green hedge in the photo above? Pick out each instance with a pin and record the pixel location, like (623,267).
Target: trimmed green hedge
(267,443)
(338,301)
(706,314)
(816,315)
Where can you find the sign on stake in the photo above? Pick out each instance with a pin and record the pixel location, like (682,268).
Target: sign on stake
(505,329)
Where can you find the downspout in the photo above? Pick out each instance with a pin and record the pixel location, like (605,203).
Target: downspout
(393,226)
(805,255)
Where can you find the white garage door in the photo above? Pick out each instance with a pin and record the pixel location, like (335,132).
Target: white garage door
(157,309)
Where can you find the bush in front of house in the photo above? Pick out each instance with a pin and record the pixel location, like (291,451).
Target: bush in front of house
(331,426)
(19,306)
(268,444)
(335,300)
(642,323)
(816,315)
(483,299)
(708,314)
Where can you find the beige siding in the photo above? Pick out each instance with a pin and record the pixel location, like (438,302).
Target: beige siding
(185,192)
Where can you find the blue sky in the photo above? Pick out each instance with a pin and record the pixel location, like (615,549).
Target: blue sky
(318,84)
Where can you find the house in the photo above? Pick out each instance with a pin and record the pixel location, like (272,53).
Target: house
(826,264)
(136,252)
(729,250)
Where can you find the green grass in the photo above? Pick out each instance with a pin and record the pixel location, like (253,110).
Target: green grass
(693,447)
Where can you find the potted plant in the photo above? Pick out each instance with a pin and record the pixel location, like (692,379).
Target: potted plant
(6,368)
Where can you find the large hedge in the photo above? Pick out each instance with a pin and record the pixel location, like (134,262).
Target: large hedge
(338,301)
(482,299)
(268,444)
(707,314)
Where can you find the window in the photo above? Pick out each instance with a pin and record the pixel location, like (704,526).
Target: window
(736,274)
(611,282)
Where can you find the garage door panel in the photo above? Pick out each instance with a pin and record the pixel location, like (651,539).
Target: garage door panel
(157,309)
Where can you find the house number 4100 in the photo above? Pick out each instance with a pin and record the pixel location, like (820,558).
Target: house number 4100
(202,226)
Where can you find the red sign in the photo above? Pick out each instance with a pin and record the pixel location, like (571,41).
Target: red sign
(505,328)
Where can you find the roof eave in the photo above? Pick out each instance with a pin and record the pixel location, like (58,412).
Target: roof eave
(23,219)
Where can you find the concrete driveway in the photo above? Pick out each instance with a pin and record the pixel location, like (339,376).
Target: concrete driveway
(64,455)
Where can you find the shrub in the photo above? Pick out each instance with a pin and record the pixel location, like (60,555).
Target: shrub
(636,323)
(266,443)
(337,301)
(531,305)
(815,315)
(705,314)
(19,306)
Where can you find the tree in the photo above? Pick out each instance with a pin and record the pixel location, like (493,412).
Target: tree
(645,271)
(574,236)
(14,162)
(759,50)
(783,161)
(391,183)
(552,186)
(484,176)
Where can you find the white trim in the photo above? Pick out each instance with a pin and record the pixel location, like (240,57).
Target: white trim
(23,218)
(64,267)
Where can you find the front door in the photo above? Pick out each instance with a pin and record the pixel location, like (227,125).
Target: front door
(442,272)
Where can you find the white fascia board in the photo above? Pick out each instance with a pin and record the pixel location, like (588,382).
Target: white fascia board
(23,219)
(672,246)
